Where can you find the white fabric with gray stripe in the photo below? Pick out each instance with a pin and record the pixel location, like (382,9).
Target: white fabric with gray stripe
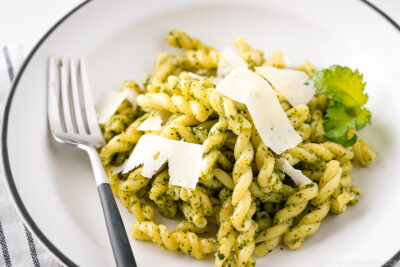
(18,246)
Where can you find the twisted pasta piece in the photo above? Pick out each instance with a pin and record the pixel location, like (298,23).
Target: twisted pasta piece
(329,182)
(197,55)
(231,261)
(159,187)
(267,176)
(152,84)
(242,175)
(276,60)
(311,222)
(307,67)
(192,216)
(186,226)
(174,104)
(158,234)
(347,167)
(298,115)
(134,182)
(164,66)
(345,194)
(226,235)
(190,93)
(265,163)
(307,226)
(225,108)
(202,58)
(355,194)
(268,239)
(194,246)
(128,197)
(212,146)
(115,125)
(199,201)
(211,183)
(317,126)
(245,245)
(313,152)
(363,153)
(224,178)
(315,171)
(319,102)
(123,116)
(113,179)
(180,39)
(226,160)
(253,57)
(340,199)
(187,242)
(123,142)
(131,85)
(196,206)
(305,131)
(178,129)
(265,195)
(191,88)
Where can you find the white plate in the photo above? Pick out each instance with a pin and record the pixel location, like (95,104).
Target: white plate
(53,185)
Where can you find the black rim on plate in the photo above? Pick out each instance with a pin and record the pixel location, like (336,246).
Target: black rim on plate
(6,164)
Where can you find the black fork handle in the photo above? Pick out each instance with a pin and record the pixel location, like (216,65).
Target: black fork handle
(119,240)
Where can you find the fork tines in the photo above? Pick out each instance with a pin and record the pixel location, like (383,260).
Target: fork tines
(70,108)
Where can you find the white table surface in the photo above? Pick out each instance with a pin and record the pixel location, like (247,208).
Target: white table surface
(25,21)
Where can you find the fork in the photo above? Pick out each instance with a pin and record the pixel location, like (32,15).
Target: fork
(72,120)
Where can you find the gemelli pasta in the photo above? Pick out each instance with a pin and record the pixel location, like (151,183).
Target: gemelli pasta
(241,192)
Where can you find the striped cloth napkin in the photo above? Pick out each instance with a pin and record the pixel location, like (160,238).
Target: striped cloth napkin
(18,246)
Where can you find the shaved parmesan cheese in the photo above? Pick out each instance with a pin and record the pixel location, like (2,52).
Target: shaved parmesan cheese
(195,76)
(120,168)
(269,118)
(290,83)
(236,85)
(152,123)
(184,159)
(297,176)
(131,96)
(111,101)
(228,61)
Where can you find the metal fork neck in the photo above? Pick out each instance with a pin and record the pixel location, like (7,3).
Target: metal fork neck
(98,169)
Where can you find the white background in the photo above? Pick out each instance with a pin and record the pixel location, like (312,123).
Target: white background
(25,21)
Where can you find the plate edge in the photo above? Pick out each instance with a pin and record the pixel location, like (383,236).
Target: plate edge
(382,13)
(396,258)
(9,181)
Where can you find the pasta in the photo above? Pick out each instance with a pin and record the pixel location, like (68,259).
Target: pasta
(241,190)
(187,242)
(269,238)
(310,223)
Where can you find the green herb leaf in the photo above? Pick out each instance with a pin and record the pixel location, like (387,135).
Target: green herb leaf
(345,91)
(342,85)
(340,119)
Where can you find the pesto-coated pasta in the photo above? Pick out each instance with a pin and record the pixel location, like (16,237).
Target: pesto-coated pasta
(310,223)
(270,238)
(187,242)
(241,191)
